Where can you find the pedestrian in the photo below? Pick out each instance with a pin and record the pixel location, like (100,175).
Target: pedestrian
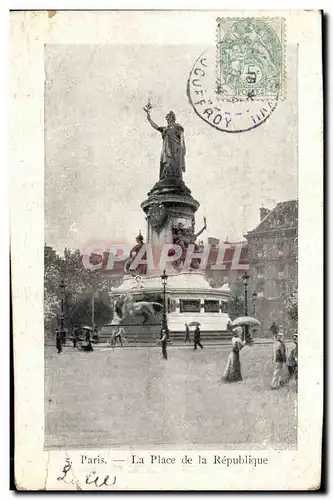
(118,336)
(164,343)
(58,341)
(187,333)
(274,329)
(292,361)
(230,327)
(232,372)
(95,335)
(279,360)
(76,337)
(88,347)
(197,337)
(87,335)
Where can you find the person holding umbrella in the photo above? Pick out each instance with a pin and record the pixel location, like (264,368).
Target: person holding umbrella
(246,322)
(197,337)
(88,346)
(232,372)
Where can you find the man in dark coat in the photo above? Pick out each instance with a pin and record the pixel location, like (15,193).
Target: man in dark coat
(280,359)
(76,337)
(292,361)
(274,329)
(197,337)
(58,341)
(164,343)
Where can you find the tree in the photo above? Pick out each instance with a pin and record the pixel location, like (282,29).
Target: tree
(51,288)
(236,302)
(80,286)
(290,302)
(79,312)
(289,296)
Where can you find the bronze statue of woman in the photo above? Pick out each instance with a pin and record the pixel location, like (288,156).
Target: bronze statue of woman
(172,162)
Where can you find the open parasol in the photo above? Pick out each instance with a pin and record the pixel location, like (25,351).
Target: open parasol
(246,321)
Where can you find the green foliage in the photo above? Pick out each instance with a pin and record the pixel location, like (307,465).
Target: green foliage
(289,296)
(236,303)
(290,303)
(80,285)
(79,312)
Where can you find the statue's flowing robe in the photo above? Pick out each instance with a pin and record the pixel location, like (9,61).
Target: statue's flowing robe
(173,151)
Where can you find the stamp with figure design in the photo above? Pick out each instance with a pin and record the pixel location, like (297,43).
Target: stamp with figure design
(250,57)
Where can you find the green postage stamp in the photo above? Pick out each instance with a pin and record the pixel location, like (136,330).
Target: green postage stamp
(250,58)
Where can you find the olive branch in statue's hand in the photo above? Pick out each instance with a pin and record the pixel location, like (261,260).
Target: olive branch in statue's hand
(147,108)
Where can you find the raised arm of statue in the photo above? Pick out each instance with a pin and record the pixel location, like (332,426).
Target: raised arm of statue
(152,123)
(202,229)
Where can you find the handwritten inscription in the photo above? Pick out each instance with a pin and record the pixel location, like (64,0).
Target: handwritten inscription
(67,476)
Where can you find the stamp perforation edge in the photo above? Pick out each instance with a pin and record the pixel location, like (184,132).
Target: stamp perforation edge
(282,95)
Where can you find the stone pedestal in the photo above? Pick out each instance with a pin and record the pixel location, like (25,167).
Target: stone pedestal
(169,203)
(182,289)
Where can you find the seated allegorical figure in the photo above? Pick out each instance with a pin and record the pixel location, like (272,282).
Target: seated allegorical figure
(141,268)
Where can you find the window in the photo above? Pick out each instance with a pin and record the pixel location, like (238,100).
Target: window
(172,305)
(260,273)
(277,289)
(189,306)
(226,279)
(281,271)
(211,306)
(280,249)
(224,307)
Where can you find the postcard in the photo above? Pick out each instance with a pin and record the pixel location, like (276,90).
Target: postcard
(166,249)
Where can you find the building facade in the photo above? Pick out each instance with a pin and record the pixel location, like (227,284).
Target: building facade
(234,262)
(273,264)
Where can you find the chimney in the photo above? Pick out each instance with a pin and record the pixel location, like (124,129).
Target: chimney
(263,213)
(214,242)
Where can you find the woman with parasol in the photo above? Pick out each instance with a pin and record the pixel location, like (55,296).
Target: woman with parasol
(232,372)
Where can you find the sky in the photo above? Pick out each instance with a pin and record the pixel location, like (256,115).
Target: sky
(102,156)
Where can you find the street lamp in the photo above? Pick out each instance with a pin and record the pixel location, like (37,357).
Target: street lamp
(254,298)
(62,310)
(164,278)
(245,279)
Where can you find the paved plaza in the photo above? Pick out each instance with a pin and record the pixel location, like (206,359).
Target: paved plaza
(132,397)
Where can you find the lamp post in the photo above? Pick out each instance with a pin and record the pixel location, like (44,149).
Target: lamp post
(164,278)
(245,279)
(62,310)
(93,312)
(254,298)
